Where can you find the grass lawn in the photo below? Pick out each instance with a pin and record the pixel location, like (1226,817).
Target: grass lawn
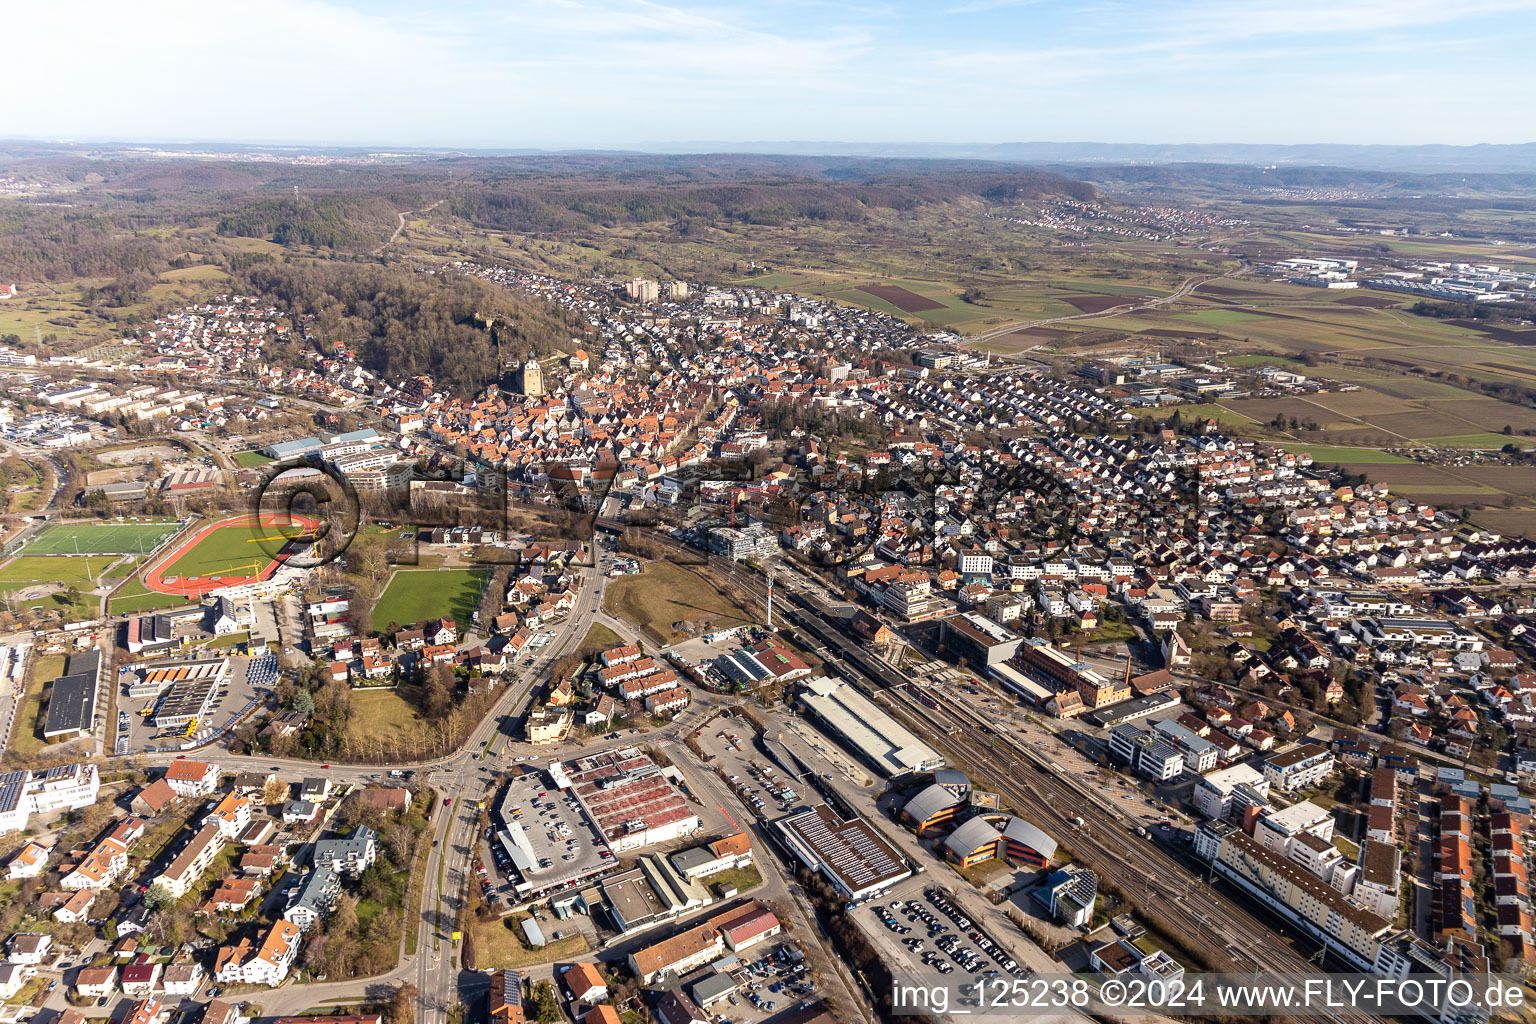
(251,459)
(26,738)
(598,638)
(28,992)
(25,489)
(134,597)
(237,550)
(744,879)
(121,570)
(499,944)
(383,716)
(64,569)
(979,874)
(665,593)
(1334,453)
(201,272)
(418,887)
(1220,413)
(100,538)
(414,595)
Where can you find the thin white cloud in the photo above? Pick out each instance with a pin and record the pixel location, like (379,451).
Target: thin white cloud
(553,73)
(983,6)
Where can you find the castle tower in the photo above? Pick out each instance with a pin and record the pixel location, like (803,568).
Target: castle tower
(532,377)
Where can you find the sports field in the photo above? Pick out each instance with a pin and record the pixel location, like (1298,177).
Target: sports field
(54,569)
(235,549)
(251,459)
(100,538)
(417,594)
(225,553)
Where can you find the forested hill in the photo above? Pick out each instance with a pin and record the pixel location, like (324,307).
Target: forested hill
(402,323)
(348,223)
(741,189)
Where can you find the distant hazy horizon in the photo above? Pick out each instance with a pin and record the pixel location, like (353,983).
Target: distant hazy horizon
(632,74)
(1073,157)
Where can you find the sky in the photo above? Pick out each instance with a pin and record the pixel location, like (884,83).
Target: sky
(558,74)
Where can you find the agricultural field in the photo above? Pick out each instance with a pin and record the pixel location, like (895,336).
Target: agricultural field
(126,538)
(664,594)
(1221,317)
(922,301)
(417,594)
(1344,456)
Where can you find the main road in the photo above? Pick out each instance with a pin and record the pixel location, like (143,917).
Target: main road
(460,780)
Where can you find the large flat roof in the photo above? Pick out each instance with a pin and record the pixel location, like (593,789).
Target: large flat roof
(850,850)
(71,704)
(981,629)
(879,737)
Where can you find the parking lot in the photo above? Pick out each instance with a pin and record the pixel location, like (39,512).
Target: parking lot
(921,928)
(762,786)
(769,980)
(249,681)
(564,841)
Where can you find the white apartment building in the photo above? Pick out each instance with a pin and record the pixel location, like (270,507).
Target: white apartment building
(1298,767)
(1215,794)
(266,964)
(24,793)
(188,866)
(192,778)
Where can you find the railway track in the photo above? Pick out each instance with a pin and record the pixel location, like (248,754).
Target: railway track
(1229,935)
(1139,869)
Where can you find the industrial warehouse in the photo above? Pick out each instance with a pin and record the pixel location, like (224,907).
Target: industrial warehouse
(871,733)
(855,859)
(72,698)
(629,797)
(189,689)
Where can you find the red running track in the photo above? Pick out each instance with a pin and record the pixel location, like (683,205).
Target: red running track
(196,586)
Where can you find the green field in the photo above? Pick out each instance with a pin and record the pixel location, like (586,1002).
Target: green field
(236,550)
(202,272)
(383,717)
(251,459)
(1220,413)
(1332,453)
(1221,316)
(26,731)
(66,569)
(417,594)
(1485,441)
(499,945)
(1257,360)
(134,597)
(599,638)
(100,538)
